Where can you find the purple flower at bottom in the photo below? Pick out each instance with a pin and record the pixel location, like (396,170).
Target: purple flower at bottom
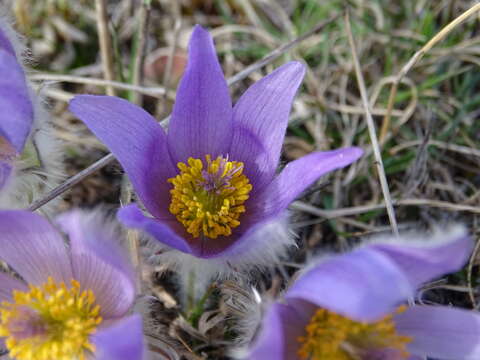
(210,183)
(350,307)
(72,303)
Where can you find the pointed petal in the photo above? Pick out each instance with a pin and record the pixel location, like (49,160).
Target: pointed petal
(201,120)
(7,284)
(363,285)
(17,111)
(98,262)
(264,109)
(425,258)
(131,216)
(136,140)
(33,248)
(296,177)
(121,341)
(441,332)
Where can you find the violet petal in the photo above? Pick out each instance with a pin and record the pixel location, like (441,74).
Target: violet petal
(17,110)
(428,259)
(441,332)
(132,216)
(121,341)
(264,109)
(99,263)
(201,120)
(136,140)
(33,248)
(296,177)
(363,285)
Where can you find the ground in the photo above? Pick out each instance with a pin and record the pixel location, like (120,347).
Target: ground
(428,131)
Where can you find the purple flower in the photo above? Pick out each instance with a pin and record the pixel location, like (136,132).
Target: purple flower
(16,118)
(347,307)
(211,182)
(73,302)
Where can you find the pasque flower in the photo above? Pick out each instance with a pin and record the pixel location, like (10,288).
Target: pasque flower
(28,152)
(211,182)
(72,302)
(351,306)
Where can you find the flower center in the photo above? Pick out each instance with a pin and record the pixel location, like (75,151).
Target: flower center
(48,322)
(208,197)
(330,336)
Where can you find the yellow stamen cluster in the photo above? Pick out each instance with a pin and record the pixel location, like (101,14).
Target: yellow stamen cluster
(330,336)
(50,322)
(208,198)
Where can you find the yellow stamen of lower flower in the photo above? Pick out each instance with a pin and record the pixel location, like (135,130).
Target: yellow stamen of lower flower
(208,197)
(330,336)
(51,321)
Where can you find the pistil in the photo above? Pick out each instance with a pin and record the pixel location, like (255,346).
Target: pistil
(208,197)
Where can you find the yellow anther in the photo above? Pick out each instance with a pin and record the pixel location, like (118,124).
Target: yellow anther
(330,336)
(208,197)
(51,321)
